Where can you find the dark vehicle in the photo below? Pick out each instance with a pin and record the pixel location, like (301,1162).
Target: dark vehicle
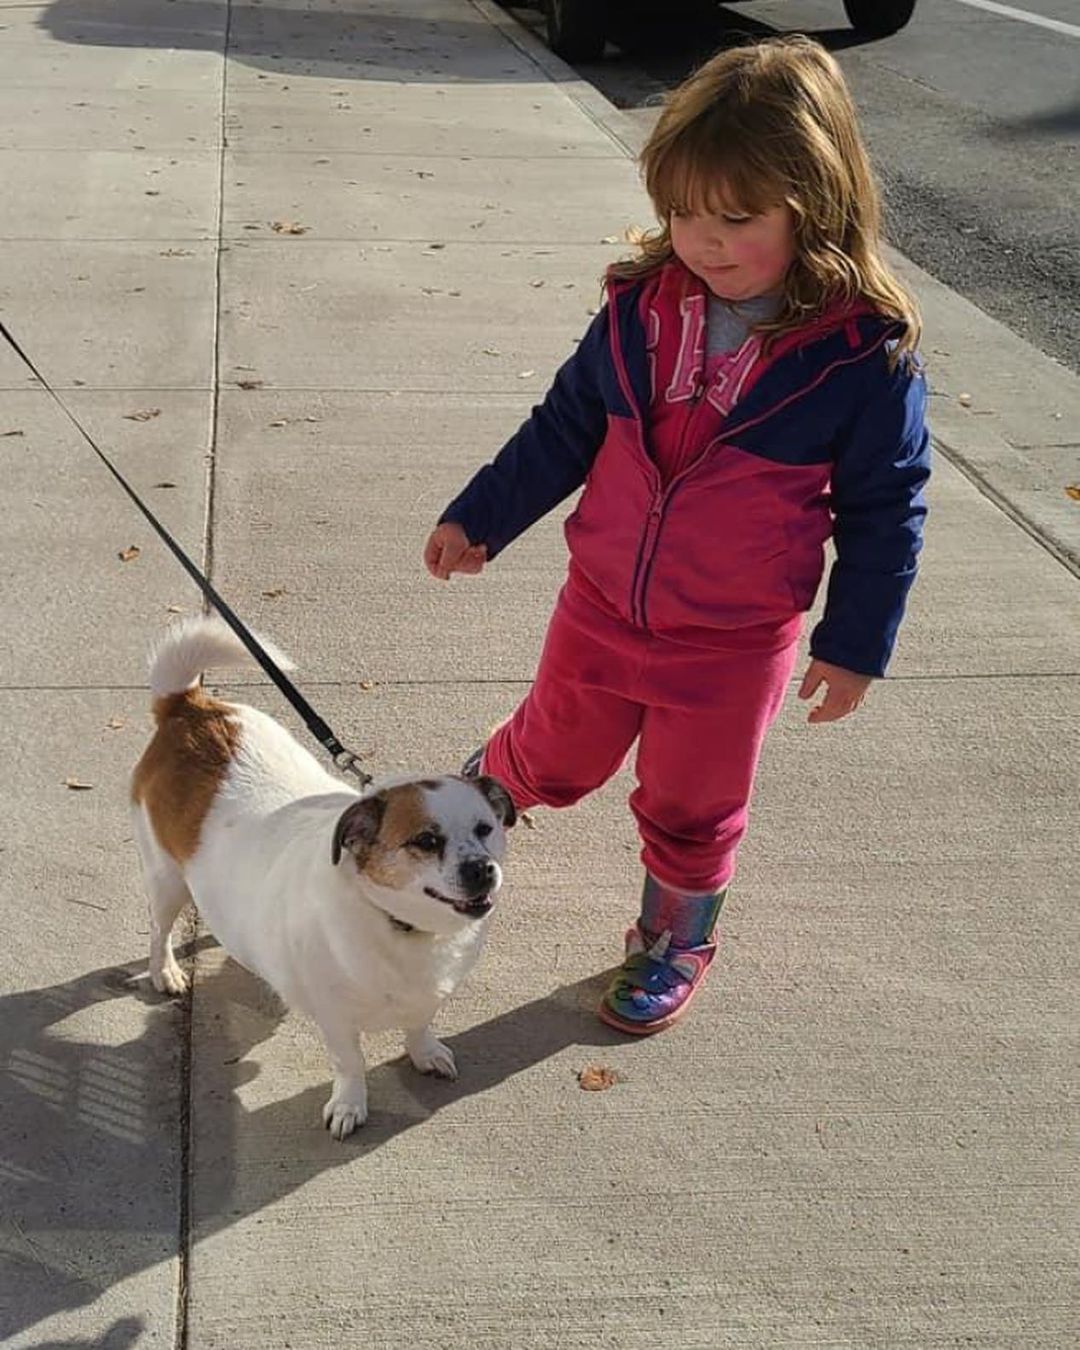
(577,29)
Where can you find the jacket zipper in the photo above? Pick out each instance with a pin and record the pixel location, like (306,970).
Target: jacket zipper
(655,517)
(654,520)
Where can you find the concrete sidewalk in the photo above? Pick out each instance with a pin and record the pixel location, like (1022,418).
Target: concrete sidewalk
(302,268)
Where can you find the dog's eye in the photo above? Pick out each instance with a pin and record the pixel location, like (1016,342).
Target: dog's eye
(428,842)
(483,830)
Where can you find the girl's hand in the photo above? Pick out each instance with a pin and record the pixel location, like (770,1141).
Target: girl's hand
(844,690)
(448,550)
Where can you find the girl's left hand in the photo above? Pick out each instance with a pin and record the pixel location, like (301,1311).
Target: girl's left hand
(844,690)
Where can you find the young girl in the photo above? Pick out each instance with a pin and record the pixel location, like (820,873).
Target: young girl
(749,389)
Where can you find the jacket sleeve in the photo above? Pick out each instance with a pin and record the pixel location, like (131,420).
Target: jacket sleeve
(547,458)
(878,480)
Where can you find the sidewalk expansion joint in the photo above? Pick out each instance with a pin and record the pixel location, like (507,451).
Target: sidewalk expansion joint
(453,157)
(183,1226)
(184,1235)
(495,682)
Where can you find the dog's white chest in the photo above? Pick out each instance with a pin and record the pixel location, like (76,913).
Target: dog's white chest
(399,979)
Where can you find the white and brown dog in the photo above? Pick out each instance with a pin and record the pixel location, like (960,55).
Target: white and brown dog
(363,911)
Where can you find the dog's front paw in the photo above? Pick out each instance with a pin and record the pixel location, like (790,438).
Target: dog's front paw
(431,1056)
(346,1110)
(168,978)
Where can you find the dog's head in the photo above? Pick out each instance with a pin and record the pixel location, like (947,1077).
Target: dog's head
(430,848)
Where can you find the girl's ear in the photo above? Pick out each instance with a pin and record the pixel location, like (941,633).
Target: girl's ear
(498,798)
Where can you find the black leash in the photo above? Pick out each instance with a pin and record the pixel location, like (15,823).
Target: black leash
(344,759)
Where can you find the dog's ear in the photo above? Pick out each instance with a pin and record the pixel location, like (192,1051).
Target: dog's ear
(499,799)
(358,828)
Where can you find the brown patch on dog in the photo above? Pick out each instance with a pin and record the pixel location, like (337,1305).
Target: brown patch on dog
(389,863)
(182,768)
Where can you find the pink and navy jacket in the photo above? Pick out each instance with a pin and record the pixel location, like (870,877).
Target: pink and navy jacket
(816,437)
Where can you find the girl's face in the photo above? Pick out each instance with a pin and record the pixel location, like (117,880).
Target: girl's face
(739,256)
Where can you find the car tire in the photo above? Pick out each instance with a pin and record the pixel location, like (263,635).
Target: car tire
(576,29)
(878,18)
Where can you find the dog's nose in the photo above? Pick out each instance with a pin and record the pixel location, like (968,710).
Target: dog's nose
(478,875)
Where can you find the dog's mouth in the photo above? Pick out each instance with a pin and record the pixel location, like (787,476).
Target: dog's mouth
(475,908)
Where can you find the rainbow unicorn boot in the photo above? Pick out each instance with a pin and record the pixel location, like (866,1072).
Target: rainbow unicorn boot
(668,952)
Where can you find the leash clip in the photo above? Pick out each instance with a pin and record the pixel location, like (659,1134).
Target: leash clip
(347,762)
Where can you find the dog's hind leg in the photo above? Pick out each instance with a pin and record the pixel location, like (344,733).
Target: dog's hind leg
(166,894)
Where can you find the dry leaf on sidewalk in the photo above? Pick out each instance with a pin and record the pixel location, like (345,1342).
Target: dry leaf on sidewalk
(597,1078)
(1073,490)
(164,484)
(275,593)
(130,553)
(76,785)
(12,433)
(114,724)
(288,227)
(249,384)
(142,415)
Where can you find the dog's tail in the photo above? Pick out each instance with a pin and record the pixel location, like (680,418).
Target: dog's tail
(188,647)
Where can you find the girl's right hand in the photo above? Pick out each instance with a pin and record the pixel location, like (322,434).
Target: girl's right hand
(448,550)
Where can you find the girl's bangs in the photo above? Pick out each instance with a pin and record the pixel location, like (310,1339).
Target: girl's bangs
(702,173)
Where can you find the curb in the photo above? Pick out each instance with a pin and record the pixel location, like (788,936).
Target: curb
(977,452)
(623,130)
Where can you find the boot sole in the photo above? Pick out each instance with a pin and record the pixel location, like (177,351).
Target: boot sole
(612,1019)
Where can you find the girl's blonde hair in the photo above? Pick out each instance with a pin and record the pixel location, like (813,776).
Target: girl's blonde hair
(768,124)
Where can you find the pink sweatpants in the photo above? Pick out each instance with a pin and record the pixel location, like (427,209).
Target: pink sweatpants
(699,717)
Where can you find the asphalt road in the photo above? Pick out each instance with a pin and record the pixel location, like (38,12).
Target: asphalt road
(973,121)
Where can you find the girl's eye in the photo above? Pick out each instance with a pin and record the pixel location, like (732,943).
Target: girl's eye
(736,220)
(427,842)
